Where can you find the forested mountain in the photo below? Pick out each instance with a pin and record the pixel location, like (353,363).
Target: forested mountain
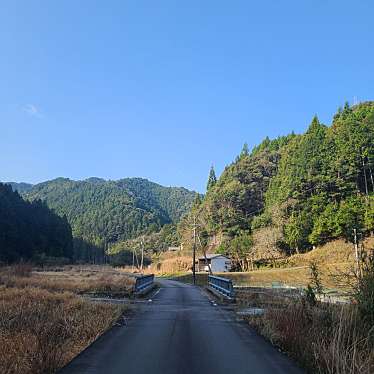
(20,187)
(30,230)
(293,192)
(105,212)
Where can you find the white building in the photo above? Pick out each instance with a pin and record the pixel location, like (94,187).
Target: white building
(173,249)
(218,263)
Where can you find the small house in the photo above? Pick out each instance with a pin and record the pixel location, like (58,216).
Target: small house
(173,249)
(216,262)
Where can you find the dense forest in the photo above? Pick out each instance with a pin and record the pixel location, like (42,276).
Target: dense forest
(292,193)
(103,213)
(30,230)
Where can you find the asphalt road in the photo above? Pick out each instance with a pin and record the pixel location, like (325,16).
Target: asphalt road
(181,332)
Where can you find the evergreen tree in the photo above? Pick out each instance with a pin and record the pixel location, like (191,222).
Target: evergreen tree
(245,151)
(197,201)
(212,180)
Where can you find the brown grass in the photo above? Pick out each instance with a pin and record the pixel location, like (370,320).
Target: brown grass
(22,269)
(172,265)
(332,259)
(98,280)
(337,251)
(40,331)
(44,324)
(326,339)
(295,277)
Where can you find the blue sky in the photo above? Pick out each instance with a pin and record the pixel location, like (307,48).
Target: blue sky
(163,89)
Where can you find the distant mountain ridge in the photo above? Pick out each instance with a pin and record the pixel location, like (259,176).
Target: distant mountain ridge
(104,211)
(20,187)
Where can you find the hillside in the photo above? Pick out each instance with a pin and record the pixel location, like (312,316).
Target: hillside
(293,193)
(20,187)
(103,212)
(30,230)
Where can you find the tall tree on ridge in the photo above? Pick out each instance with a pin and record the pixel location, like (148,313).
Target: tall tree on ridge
(245,151)
(212,180)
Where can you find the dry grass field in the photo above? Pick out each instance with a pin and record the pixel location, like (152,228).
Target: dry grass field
(44,322)
(293,277)
(172,265)
(97,280)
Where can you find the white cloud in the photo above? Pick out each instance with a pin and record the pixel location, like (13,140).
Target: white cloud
(32,110)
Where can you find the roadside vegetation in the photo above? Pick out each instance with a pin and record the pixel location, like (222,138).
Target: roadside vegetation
(41,331)
(323,337)
(45,321)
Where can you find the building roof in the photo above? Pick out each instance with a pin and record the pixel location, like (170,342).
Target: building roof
(210,256)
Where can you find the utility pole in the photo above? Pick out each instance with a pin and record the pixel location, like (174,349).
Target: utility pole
(133,260)
(205,258)
(142,261)
(365,178)
(194,251)
(357,255)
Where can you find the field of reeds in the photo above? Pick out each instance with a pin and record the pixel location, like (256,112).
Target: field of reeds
(293,277)
(172,265)
(325,338)
(91,280)
(44,322)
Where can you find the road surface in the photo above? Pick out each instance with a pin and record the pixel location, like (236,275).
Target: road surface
(181,332)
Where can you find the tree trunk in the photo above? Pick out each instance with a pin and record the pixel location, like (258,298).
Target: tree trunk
(371,178)
(366,181)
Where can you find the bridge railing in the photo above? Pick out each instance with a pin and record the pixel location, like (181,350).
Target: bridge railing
(222,285)
(143,282)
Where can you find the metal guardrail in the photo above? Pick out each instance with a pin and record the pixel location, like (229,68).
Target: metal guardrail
(222,285)
(143,282)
